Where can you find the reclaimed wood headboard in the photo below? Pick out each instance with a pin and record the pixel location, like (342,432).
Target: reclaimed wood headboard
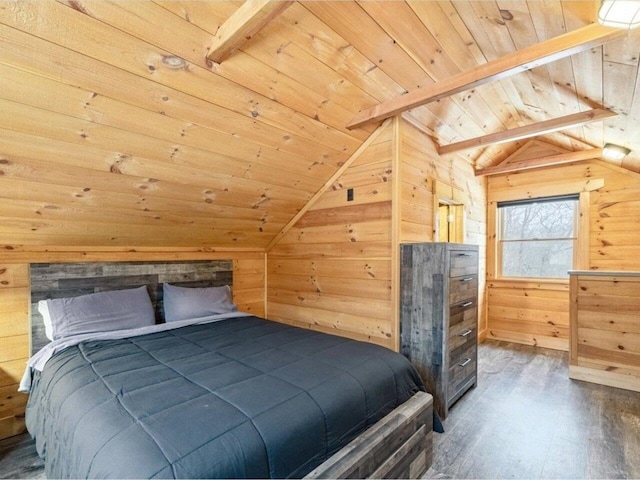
(57,280)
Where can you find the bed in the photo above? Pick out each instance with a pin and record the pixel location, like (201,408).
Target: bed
(224,395)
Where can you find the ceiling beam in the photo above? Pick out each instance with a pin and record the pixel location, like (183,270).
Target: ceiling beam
(548,51)
(245,22)
(559,159)
(535,129)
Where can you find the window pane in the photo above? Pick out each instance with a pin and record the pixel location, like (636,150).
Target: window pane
(538,220)
(552,258)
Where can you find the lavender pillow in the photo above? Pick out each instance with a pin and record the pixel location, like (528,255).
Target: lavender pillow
(181,303)
(100,312)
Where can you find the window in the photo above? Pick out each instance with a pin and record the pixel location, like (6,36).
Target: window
(537,237)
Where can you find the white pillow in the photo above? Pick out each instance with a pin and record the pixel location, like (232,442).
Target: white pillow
(43,308)
(99,312)
(181,303)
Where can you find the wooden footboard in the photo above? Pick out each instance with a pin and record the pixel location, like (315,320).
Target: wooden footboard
(398,446)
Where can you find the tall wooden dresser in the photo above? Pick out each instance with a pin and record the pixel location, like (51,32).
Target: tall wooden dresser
(439,317)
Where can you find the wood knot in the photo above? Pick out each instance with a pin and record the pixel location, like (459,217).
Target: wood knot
(175,62)
(78,7)
(506,14)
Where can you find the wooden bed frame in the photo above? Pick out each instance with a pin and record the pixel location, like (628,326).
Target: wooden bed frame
(398,446)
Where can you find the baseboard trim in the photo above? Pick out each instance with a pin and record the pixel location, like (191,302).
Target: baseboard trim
(603,377)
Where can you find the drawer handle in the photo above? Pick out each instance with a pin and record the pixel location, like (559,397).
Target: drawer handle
(464,255)
(466,304)
(466,362)
(465,334)
(468,279)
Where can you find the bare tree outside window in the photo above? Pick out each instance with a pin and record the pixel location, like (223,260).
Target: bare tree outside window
(537,237)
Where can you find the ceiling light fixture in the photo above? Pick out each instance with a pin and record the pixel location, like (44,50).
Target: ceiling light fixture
(612,151)
(619,14)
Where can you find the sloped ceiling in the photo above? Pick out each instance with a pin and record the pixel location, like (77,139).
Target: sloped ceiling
(116,130)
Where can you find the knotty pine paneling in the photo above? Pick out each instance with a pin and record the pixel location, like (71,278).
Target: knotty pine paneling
(332,270)
(421,166)
(200,147)
(248,294)
(177,154)
(83,33)
(192,152)
(14,345)
(249,276)
(527,312)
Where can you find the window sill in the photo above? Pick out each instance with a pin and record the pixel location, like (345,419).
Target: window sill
(533,283)
(560,281)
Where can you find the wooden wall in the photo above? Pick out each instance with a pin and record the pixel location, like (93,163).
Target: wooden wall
(248,294)
(534,313)
(537,313)
(335,270)
(332,270)
(417,185)
(14,345)
(425,173)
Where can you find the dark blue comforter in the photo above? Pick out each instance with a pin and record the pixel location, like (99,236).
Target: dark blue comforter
(239,398)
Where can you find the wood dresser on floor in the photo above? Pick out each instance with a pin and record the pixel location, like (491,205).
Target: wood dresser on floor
(439,317)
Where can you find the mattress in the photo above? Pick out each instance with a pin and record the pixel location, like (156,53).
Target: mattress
(239,398)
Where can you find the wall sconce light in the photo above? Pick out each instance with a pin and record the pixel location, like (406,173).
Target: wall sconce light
(612,151)
(619,14)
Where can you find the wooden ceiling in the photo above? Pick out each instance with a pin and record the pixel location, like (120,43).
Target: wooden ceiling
(116,129)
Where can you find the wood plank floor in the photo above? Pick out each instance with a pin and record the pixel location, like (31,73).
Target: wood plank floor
(525,419)
(19,459)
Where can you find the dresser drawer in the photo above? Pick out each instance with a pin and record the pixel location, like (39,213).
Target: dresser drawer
(458,311)
(462,288)
(462,372)
(462,338)
(461,342)
(463,262)
(461,319)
